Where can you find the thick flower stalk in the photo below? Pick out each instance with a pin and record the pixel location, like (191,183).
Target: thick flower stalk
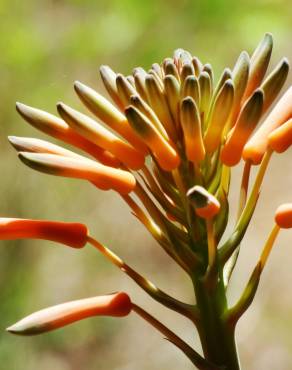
(167,145)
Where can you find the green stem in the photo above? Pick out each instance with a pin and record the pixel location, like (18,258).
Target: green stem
(194,356)
(216,334)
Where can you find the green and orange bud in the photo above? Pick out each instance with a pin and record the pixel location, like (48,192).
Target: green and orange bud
(186,70)
(125,89)
(108,77)
(157,100)
(163,150)
(247,120)
(274,83)
(240,77)
(208,68)
(205,93)
(59,129)
(281,138)
(191,125)
(226,75)
(48,319)
(98,134)
(158,70)
(259,63)
(103,177)
(256,147)
(191,88)
(205,204)
(283,216)
(198,66)
(139,79)
(170,69)
(219,116)
(172,92)
(145,109)
(109,114)
(72,234)
(32,145)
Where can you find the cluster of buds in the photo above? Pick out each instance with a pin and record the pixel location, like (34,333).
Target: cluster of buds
(167,146)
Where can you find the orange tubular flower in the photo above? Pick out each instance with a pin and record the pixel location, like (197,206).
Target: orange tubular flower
(72,234)
(281,138)
(283,216)
(256,147)
(116,305)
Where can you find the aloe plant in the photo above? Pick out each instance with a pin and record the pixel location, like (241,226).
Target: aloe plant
(167,145)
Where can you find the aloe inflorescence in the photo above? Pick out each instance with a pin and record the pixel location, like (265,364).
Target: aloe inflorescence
(166,145)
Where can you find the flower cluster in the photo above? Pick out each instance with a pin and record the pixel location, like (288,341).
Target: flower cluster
(167,144)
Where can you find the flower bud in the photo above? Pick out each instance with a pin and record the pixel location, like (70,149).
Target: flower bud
(109,114)
(139,78)
(116,305)
(108,77)
(258,64)
(205,204)
(125,89)
(59,129)
(283,216)
(32,145)
(103,177)
(205,93)
(187,70)
(256,147)
(191,124)
(72,234)
(98,134)
(163,151)
(274,82)
(191,88)
(145,109)
(172,92)
(158,102)
(281,138)
(198,66)
(247,120)
(240,77)
(219,116)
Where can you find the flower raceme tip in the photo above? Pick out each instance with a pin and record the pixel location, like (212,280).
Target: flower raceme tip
(166,145)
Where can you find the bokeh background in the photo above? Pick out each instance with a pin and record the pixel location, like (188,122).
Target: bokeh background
(45,46)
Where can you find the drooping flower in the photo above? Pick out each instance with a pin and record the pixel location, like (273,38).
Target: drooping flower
(72,234)
(117,305)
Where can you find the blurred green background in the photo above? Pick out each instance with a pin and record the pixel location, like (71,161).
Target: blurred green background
(45,46)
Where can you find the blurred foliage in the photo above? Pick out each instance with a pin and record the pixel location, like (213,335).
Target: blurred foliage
(45,45)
